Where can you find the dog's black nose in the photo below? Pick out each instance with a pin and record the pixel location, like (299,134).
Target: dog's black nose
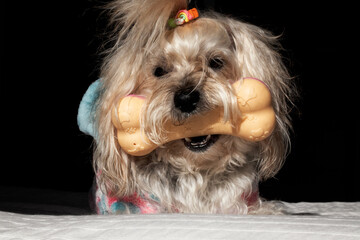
(186,99)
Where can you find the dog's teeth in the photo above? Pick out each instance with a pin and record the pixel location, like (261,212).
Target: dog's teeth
(200,144)
(187,139)
(193,141)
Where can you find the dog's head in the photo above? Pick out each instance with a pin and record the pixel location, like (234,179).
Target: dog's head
(182,72)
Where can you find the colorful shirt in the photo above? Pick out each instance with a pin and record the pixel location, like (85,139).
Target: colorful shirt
(141,203)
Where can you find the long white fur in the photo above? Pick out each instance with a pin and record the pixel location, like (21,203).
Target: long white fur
(214,181)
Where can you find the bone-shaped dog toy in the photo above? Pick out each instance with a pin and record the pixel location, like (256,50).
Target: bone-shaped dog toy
(256,123)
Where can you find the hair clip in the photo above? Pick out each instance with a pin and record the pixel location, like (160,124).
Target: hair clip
(183,16)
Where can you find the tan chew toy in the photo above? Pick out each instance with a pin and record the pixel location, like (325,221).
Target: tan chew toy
(256,123)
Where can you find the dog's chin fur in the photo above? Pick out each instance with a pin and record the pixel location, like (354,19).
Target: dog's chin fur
(213,181)
(208,54)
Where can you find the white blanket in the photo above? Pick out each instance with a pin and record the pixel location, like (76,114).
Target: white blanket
(333,220)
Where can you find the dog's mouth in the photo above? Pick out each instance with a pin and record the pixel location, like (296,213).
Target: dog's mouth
(201,143)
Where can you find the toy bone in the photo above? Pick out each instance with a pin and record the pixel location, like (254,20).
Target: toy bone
(256,123)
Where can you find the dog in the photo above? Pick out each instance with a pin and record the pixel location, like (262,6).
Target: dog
(184,71)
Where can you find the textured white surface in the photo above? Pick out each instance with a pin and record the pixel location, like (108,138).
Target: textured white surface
(334,220)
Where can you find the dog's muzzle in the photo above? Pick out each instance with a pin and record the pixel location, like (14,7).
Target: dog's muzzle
(186,100)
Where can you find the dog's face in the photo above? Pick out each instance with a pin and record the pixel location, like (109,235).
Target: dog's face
(191,73)
(182,72)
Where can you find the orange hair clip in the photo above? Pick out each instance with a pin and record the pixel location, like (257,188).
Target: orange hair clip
(183,16)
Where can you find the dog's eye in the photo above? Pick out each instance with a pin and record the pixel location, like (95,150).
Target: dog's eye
(216,63)
(159,72)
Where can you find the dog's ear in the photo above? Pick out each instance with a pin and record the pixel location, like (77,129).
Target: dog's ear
(257,53)
(138,25)
(113,172)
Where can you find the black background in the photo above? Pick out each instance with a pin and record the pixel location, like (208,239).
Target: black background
(50,55)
